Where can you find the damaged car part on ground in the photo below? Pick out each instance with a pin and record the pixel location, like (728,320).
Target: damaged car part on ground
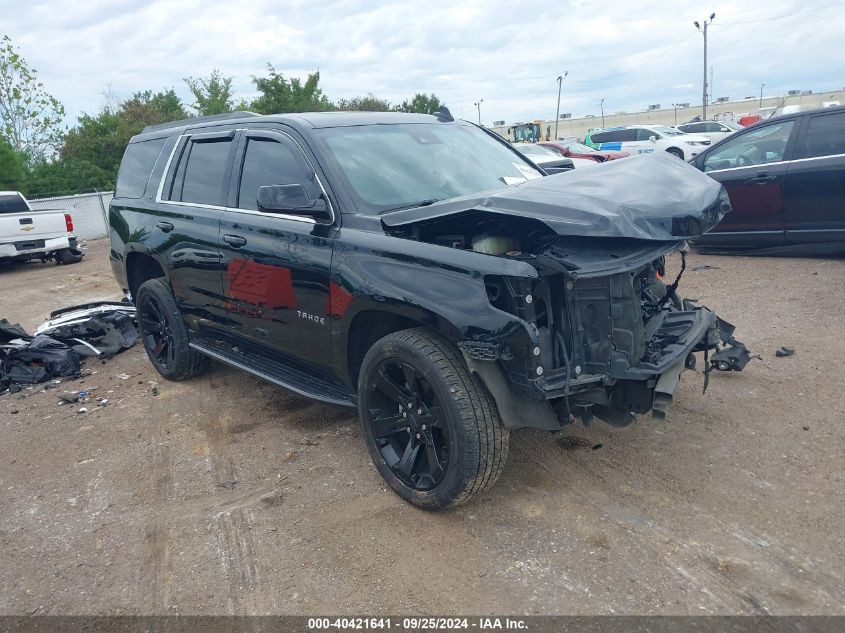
(420,269)
(100,329)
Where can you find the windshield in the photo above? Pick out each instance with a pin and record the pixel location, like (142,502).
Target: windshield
(579,148)
(732,125)
(665,130)
(388,167)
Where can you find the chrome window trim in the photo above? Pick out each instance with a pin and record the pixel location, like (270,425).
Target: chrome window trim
(215,207)
(779,162)
(271,131)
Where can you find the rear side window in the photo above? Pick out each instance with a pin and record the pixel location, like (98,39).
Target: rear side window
(202,172)
(825,135)
(270,162)
(12,203)
(137,165)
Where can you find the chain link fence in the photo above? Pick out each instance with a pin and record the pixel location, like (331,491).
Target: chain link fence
(88,210)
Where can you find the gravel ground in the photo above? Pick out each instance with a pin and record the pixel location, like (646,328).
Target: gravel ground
(733,505)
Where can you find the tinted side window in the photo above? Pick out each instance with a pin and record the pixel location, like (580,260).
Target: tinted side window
(269,162)
(205,172)
(137,165)
(760,145)
(601,137)
(694,128)
(644,135)
(825,135)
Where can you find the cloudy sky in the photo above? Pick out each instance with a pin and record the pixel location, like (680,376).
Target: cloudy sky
(630,52)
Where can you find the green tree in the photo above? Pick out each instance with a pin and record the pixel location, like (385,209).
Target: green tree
(212,94)
(369,103)
(279,94)
(91,154)
(421,103)
(12,167)
(30,118)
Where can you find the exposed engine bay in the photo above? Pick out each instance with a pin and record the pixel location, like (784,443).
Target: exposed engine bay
(614,332)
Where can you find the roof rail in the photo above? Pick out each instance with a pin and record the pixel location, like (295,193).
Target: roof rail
(200,119)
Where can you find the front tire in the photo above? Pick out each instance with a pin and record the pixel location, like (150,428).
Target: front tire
(432,429)
(676,152)
(164,334)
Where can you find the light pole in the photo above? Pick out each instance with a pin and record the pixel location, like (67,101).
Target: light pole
(477,104)
(601,105)
(761,94)
(560,79)
(704,87)
(675,105)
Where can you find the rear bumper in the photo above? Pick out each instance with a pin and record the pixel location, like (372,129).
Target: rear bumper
(35,247)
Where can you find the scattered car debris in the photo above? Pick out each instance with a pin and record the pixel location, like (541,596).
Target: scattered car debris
(154,388)
(69,398)
(229,485)
(100,329)
(784,351)
(123,376)
(704,267)
(83,410)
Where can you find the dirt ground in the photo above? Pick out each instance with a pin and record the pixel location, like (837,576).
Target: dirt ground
(734,505)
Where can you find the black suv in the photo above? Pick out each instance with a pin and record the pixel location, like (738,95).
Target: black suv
(417,268)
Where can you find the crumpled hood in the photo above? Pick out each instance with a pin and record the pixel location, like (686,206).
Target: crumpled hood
(649,197)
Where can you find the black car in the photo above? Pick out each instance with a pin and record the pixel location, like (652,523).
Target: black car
(785,177)
(417,268)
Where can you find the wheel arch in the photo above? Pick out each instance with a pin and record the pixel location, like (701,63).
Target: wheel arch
(372,321)
(142,266)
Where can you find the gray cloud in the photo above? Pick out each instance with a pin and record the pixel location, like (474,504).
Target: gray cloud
(630,52)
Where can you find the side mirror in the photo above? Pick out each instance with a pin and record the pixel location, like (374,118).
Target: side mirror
(291,199)
(653,139)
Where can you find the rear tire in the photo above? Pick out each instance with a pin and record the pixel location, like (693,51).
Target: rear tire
(164,333)
(432,429)
(68,256)
(676,152)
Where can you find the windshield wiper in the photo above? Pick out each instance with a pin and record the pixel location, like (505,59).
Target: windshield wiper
(413,205)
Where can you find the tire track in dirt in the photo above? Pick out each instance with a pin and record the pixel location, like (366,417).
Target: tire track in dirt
(237,551)
(156,570)
(739,570)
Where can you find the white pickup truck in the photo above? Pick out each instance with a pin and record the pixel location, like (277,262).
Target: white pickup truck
(26,234)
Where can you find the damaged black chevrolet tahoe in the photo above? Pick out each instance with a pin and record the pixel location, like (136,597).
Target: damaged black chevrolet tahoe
(418,268)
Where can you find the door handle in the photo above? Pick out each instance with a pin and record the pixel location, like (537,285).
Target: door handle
(166,227)
(235,241)
(761,179)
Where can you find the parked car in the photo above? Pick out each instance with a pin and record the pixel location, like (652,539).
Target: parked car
(550,161)
(574,149)
(714,130)
(645,139)
(26,234)
(382,261)
(785,177)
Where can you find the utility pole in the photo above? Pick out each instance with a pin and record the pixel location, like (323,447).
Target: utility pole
(675,105)
(601,105)
(477,104)
(704,87)
(560,79)
(761,94)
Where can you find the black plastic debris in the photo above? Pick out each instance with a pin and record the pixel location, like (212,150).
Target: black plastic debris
(43,358)
(784,351)
(99,329)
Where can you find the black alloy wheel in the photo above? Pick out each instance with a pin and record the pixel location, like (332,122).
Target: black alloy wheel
(164,333)
(407,423)
(430,425)
(158,337)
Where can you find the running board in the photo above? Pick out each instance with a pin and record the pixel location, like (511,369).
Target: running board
(277,372)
